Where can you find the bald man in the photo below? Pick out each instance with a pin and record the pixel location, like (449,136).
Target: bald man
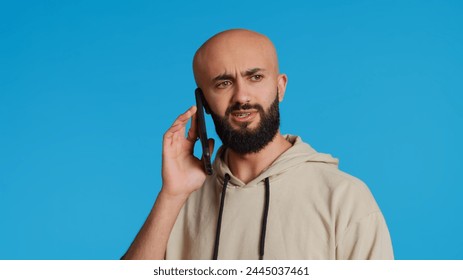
(271,196)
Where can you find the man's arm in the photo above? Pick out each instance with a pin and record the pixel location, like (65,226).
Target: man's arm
(151,241)
(366,239)
(182,174)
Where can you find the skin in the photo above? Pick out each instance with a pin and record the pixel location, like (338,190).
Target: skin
(235,66)
(241,66)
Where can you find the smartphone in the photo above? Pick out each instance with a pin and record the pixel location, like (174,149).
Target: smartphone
(201,106)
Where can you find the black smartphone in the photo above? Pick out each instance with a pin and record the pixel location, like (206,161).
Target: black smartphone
(201,106)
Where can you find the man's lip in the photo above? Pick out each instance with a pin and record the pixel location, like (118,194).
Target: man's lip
(243,115)
(243,111)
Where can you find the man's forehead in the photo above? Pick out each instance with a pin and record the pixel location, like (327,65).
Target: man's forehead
(234,63)
(234,51)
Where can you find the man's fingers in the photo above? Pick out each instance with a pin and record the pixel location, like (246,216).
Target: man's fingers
(183,118)
(192,134)
(180,122)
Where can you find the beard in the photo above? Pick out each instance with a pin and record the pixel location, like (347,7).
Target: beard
(244,140)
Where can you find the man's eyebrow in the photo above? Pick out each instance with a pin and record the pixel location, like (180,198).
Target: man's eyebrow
(224,76)
(227,76)
(252,71)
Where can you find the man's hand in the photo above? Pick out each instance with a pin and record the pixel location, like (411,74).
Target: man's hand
(182,172)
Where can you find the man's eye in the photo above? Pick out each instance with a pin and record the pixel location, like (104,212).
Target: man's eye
(223,84)
(256,78)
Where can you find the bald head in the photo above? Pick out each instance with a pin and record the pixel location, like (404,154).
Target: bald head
(233,49)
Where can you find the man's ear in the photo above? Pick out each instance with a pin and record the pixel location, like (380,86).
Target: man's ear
(282,81)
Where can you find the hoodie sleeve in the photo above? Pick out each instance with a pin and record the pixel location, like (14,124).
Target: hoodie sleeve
(366,239)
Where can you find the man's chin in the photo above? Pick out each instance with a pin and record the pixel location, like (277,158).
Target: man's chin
(247,126)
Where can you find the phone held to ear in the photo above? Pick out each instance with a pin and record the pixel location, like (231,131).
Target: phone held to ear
(201,106)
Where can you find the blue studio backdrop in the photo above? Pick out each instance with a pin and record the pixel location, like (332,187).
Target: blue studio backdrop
(87,89)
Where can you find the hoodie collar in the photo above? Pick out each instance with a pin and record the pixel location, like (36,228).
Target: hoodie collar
(299,153)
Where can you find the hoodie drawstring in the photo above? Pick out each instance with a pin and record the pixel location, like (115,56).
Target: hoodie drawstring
(264,218)
(219,220)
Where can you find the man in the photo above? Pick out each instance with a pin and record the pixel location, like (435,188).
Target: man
(271,196)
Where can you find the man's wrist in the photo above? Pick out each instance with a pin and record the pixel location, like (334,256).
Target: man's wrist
(179,198)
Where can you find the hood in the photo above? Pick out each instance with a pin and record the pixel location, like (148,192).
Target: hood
(299,153)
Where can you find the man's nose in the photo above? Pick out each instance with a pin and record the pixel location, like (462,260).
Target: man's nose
(241,93)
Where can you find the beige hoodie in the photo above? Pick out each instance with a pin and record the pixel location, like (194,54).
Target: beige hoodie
(315,211)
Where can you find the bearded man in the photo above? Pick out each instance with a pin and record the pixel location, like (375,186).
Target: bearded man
(271,196)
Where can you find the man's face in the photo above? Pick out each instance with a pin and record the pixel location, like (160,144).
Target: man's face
(244,140)
(238,74)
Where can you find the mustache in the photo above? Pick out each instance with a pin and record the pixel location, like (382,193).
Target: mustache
(247,106)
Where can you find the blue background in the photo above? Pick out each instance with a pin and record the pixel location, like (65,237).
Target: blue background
(87,90)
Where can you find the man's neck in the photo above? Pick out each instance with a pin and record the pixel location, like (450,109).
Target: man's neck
(249,166)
